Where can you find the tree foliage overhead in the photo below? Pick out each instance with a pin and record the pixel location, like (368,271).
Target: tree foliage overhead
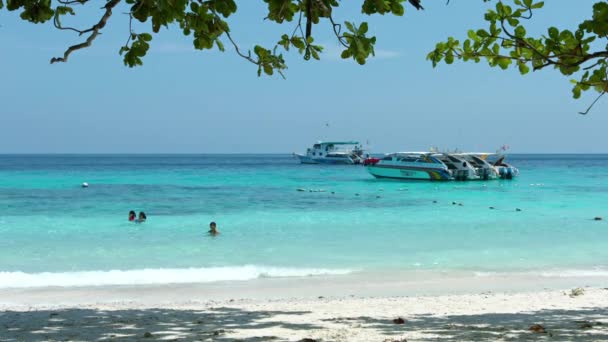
(206,21)
(581,52)
(505,43)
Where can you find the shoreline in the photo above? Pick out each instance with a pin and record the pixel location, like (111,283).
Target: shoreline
(357,284)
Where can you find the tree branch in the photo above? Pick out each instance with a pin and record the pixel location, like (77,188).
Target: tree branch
(94,32)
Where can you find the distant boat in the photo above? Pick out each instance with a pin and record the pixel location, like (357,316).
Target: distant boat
(439,166)
(333,152)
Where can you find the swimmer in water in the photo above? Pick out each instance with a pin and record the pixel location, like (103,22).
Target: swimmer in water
(213,229)
(142,217)
(131,216)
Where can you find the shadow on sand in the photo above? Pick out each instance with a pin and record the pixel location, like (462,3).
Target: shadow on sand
(228,324)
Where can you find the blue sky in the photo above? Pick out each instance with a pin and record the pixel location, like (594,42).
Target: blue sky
(187,101)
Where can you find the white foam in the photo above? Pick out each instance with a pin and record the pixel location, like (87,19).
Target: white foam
(575,273)
(571,273)
(156,276)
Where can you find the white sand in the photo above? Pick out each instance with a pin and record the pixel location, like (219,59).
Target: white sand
(292,310)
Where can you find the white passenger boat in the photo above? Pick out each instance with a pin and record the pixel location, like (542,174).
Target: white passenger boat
(438,166)
(333,152)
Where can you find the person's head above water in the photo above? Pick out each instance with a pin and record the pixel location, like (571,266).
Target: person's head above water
(131,215)
(142,216)
(213,228)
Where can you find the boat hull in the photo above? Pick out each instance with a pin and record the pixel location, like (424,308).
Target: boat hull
(394,172)
(331,161)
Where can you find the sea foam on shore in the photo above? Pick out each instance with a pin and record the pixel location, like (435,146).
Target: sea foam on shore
(156,276)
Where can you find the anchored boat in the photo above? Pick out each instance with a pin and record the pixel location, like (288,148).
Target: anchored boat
(333,152)
(439,166)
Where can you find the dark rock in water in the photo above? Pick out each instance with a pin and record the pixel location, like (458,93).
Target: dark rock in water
(147,334)
(517,209)
(399,321)
(537,328)
(597,218)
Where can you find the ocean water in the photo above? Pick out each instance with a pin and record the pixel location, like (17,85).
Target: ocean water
(55,233)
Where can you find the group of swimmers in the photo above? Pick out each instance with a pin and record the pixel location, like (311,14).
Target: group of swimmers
(142,218)
(138,219)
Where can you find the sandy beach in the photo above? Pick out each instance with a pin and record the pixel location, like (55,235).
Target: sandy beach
(313,309)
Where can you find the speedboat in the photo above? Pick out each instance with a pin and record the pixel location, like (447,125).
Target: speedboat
(484,169)
(505,170)
(438,166)
(333,152)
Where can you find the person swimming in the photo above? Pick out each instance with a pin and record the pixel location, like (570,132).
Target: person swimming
(142,217)
(213,229)
(131,216)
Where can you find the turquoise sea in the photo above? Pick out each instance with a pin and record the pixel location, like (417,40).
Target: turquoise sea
(55,233)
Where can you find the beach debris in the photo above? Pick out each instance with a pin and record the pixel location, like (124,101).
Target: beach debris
(85,185)
(577,292)
(147,334)
(597,218)
(537,328)
(399,320)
